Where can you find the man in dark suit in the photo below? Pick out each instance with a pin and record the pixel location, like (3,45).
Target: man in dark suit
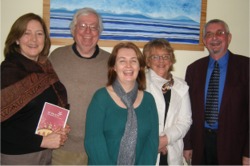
(219,135)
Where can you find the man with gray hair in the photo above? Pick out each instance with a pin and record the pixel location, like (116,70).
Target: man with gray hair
(219,94)
(82,68)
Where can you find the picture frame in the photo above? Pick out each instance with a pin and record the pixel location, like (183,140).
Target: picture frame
(195,45)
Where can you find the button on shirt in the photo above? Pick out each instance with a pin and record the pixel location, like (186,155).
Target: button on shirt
(223,70)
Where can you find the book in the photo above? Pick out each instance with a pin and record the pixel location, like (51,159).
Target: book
(51,118)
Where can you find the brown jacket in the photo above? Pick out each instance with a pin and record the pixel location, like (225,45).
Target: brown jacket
(233,130)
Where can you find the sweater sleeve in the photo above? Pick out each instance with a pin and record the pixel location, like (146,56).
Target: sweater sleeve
(150,151)
(94,142)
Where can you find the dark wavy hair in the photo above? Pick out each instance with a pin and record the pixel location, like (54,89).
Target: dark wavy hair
(18,29)
(141,78)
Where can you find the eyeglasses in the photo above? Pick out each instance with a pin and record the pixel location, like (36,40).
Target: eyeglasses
(158,57)
(218,33)
(93,28)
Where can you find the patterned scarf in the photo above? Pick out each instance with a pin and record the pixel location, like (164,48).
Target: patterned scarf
(23,80)
(127,149)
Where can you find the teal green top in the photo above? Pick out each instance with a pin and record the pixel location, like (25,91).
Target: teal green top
(105,125)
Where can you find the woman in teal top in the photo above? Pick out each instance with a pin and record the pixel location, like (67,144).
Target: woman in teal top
(122,121)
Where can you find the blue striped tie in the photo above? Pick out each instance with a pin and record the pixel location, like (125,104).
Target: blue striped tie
(212,101)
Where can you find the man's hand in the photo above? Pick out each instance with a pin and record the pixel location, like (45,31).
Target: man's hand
(245,161)
(188,156)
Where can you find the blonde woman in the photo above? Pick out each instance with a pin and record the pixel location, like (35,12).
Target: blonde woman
(172,100)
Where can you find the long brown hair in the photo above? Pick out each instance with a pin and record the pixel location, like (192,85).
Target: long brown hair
(17,30)
(141,79)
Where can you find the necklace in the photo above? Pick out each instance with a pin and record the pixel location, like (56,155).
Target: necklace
(167,86)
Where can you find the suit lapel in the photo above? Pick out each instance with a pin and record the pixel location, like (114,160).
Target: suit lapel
(230,78)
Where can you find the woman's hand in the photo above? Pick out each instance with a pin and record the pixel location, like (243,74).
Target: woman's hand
(163,150)
(63,131)
(163,142)
(53,140)
(56,138)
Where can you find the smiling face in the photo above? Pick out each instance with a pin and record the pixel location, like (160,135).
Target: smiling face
(127,65)
(86,33)
(32,41)
(217,40)
(160,61)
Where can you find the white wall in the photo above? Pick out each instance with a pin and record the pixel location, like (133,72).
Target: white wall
(234,12)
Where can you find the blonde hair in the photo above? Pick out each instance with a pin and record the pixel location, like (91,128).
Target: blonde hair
(161,44)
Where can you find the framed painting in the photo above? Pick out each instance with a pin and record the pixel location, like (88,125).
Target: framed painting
(180,22)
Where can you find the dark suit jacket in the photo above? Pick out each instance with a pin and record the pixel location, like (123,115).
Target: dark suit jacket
(233,130)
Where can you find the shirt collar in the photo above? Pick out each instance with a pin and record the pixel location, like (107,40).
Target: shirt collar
(222,61)
(78,54)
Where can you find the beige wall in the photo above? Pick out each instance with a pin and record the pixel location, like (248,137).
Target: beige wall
(234,12)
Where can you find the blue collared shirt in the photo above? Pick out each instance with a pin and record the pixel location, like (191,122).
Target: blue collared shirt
(223,61)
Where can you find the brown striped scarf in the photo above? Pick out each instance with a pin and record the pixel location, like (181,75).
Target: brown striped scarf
(23,80)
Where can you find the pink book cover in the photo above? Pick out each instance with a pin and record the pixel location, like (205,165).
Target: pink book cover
(52,117)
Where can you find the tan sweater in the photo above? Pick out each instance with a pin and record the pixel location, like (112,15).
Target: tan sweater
(81,77)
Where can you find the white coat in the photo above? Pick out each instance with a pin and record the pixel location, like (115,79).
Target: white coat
(178,116)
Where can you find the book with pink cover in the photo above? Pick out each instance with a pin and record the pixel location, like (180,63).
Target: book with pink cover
(51,118)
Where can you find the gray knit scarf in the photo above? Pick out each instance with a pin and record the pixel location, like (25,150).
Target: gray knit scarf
(127,149)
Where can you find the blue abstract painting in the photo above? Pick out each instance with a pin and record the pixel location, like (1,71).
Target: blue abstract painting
(135,20)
